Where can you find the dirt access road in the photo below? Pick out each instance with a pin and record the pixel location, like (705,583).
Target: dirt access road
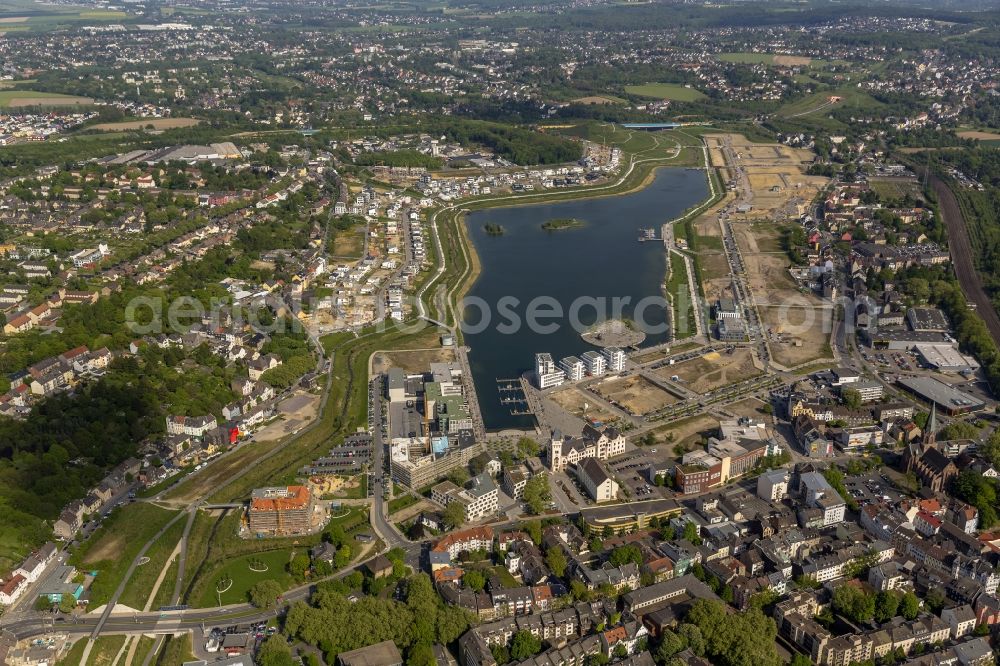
(961,257)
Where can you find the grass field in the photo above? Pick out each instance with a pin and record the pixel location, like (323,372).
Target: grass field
(820,102)
(401,502)
(141,583)
(680,298)
(102,654)
(243,578)
(111,549)
(672,91)
(19,98)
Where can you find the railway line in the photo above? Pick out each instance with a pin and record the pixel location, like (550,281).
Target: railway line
(961,250)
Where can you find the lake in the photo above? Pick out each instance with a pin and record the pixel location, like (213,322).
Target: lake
(601,259)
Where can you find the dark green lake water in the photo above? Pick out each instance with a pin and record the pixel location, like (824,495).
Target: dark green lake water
(602,260)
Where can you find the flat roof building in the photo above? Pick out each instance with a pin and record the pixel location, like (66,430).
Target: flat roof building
(945,357)
(947,398)
(927,319)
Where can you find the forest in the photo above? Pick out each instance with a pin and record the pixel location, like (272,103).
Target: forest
(517,144)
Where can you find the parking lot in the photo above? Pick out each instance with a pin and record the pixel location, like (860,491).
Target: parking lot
(631,473)
(872,487)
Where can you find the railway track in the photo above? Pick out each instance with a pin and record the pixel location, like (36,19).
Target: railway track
(961,257)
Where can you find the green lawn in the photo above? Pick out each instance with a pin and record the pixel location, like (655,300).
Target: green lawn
(238,569)
(671,91)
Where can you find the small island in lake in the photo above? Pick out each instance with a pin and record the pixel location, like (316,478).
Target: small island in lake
(562,223)
(493,230)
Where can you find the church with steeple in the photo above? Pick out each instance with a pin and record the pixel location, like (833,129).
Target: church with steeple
(924,459)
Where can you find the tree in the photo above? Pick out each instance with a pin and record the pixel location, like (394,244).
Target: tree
(474,580)
(909,606)
(527,447)
(625,554)
(800,660)
(620,651)
(935,600)
(275,652)
(555,558)
(537,493)
(886,605)
(453,515)
(595,544)
(958,430)
(738,639)
(524,645)
(67,603)
(421,654)
(533,529)
(579,591)
(852,398)
(853,603)
(298,565)
(670,644)
(694,638)
(459,476)
(691,533)
(265,593)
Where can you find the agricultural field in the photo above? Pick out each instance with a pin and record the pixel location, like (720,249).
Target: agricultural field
(779,60)
(22,98)
(671,91)
(897,188)
(35,17)
(636,394)
(13,98)
(599,99)
(979,135)
(146,124)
